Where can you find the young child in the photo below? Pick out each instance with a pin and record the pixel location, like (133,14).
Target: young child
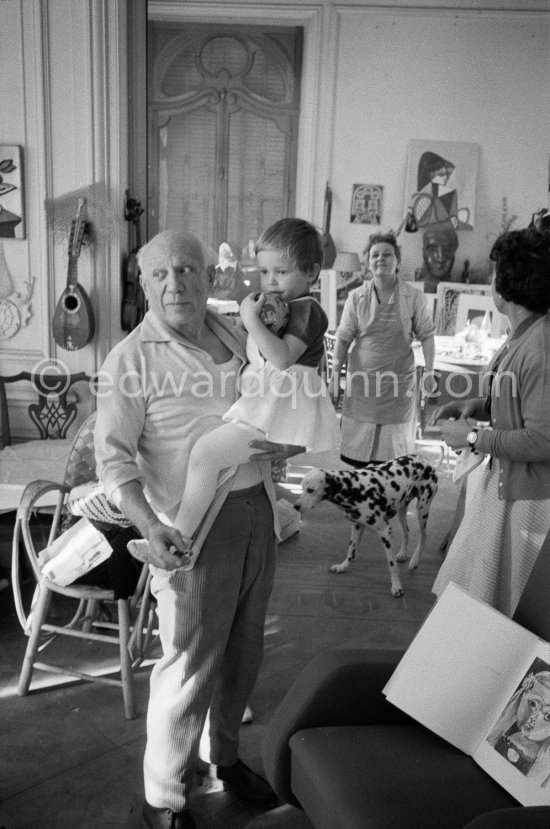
(283,398)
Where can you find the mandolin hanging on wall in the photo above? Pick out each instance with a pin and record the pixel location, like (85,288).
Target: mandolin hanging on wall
(73,320)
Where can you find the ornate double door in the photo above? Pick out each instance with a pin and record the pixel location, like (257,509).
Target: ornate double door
(223,109)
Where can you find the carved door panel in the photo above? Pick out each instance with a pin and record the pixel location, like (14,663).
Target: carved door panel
(223,115)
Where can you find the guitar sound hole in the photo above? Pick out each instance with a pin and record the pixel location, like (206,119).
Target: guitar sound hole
(71,303)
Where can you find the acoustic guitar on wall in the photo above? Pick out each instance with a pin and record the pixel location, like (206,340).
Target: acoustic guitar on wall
(73,321)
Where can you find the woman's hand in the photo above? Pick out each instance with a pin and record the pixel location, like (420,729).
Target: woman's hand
(455,431)
(333,386)
(457,409)
(429,382)
(274,451)
(250,308)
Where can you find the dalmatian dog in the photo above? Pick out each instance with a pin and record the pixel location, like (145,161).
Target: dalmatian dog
(370,497)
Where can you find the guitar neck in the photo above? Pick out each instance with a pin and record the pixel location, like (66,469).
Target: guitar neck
(72,271)
(328,216)
(137,226)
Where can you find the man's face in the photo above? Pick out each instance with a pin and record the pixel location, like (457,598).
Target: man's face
(176,283)
(439,254)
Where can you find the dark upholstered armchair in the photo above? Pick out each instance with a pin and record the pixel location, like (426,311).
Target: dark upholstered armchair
(337,749)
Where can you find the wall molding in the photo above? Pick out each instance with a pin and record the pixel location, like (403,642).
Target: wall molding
(455,10)
(109,129)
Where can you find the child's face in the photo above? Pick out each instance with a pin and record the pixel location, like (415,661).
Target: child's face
(280,275)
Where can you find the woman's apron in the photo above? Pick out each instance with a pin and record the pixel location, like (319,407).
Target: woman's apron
(381,370)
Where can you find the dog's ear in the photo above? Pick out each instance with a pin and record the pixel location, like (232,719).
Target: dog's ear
(321,480)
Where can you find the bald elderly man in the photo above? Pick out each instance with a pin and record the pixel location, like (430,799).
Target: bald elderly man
(167,383)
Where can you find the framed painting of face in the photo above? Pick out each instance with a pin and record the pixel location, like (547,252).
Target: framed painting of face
(445,174)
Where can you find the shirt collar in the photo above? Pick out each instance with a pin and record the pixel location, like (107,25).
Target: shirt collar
(153,330)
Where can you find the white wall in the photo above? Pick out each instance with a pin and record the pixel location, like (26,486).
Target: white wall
(14,130)
(445,76)
(62,66)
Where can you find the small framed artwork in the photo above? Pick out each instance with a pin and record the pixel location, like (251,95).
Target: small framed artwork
(448,294)
(12,216)
(471,310)
(366,204)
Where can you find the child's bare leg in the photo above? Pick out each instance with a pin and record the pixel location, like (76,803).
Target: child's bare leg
(224,447)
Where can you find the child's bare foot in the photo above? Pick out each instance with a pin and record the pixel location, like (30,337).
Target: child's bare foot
(140,550)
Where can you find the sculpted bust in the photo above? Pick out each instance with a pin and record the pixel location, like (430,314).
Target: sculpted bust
(439,247)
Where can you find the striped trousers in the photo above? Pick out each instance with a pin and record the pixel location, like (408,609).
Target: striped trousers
(211,625)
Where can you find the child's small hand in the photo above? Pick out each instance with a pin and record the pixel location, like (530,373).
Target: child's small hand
(251,307)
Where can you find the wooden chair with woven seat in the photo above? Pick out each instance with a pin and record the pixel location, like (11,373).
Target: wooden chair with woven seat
(128,637)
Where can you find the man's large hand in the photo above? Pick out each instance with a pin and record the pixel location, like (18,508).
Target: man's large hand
(164,543)
(274,451)
(162,539)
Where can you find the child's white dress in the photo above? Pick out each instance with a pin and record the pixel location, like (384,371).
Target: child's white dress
(291,406)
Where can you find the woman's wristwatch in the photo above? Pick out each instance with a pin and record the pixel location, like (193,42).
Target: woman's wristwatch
(471,438)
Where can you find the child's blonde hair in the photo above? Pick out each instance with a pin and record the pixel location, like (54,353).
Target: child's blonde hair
(297,239)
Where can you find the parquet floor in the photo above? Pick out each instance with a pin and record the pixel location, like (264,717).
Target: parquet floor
(68,757)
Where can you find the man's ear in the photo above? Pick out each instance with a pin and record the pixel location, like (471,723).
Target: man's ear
(143,283)
(211,271)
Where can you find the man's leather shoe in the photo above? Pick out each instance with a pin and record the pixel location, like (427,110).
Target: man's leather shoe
(240,780)
(155,818)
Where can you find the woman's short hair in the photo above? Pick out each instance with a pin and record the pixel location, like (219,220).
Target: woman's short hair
(297,239)
(390,238)
(522,259)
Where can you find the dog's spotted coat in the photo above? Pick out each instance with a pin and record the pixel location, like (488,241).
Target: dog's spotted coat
(370,497)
